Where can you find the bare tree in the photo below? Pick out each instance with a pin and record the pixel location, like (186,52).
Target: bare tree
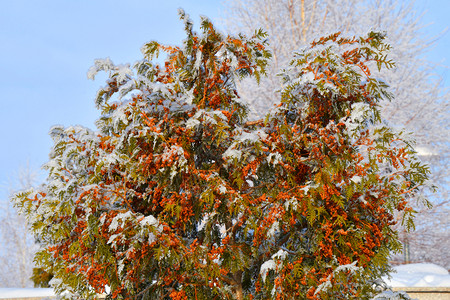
(17,246)
(421,104)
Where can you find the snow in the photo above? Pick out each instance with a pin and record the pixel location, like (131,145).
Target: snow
(222,189)
(30,292)
(100,65)
(252,137)
(150,220)
(192,122)
(198,60)
(351,268)
(360,111)
(232,153)
(123,71)
(425,151)
(273,263)
(276,158)
(419,275)
(266,267)
(391,295)
(120,217)
(356,179)
(273,229)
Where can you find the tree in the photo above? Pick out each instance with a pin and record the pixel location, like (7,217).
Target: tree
(17,246)
(422,103)
(179,196)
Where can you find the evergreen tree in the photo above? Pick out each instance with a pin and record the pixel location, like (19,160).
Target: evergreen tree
(179,196)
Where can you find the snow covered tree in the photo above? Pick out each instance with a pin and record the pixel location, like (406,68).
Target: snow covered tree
(179,196)
(17,246)
(422,103)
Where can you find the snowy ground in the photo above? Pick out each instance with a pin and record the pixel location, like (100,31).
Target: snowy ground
(22,293)
(419,275)
(412,275)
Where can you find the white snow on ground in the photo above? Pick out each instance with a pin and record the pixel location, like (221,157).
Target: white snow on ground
(20,293)
(419,275)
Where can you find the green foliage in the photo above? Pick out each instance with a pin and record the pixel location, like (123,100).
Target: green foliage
(178,196)
(41,278)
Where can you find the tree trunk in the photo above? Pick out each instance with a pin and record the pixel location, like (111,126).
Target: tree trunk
(238,291)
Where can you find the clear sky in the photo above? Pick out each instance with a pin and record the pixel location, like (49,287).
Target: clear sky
(47,46)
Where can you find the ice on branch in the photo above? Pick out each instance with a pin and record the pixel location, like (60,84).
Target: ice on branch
(100,65)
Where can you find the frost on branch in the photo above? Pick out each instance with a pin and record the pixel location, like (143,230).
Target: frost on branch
(178,195)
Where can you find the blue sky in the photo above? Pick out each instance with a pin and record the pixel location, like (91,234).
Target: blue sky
(46,48)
